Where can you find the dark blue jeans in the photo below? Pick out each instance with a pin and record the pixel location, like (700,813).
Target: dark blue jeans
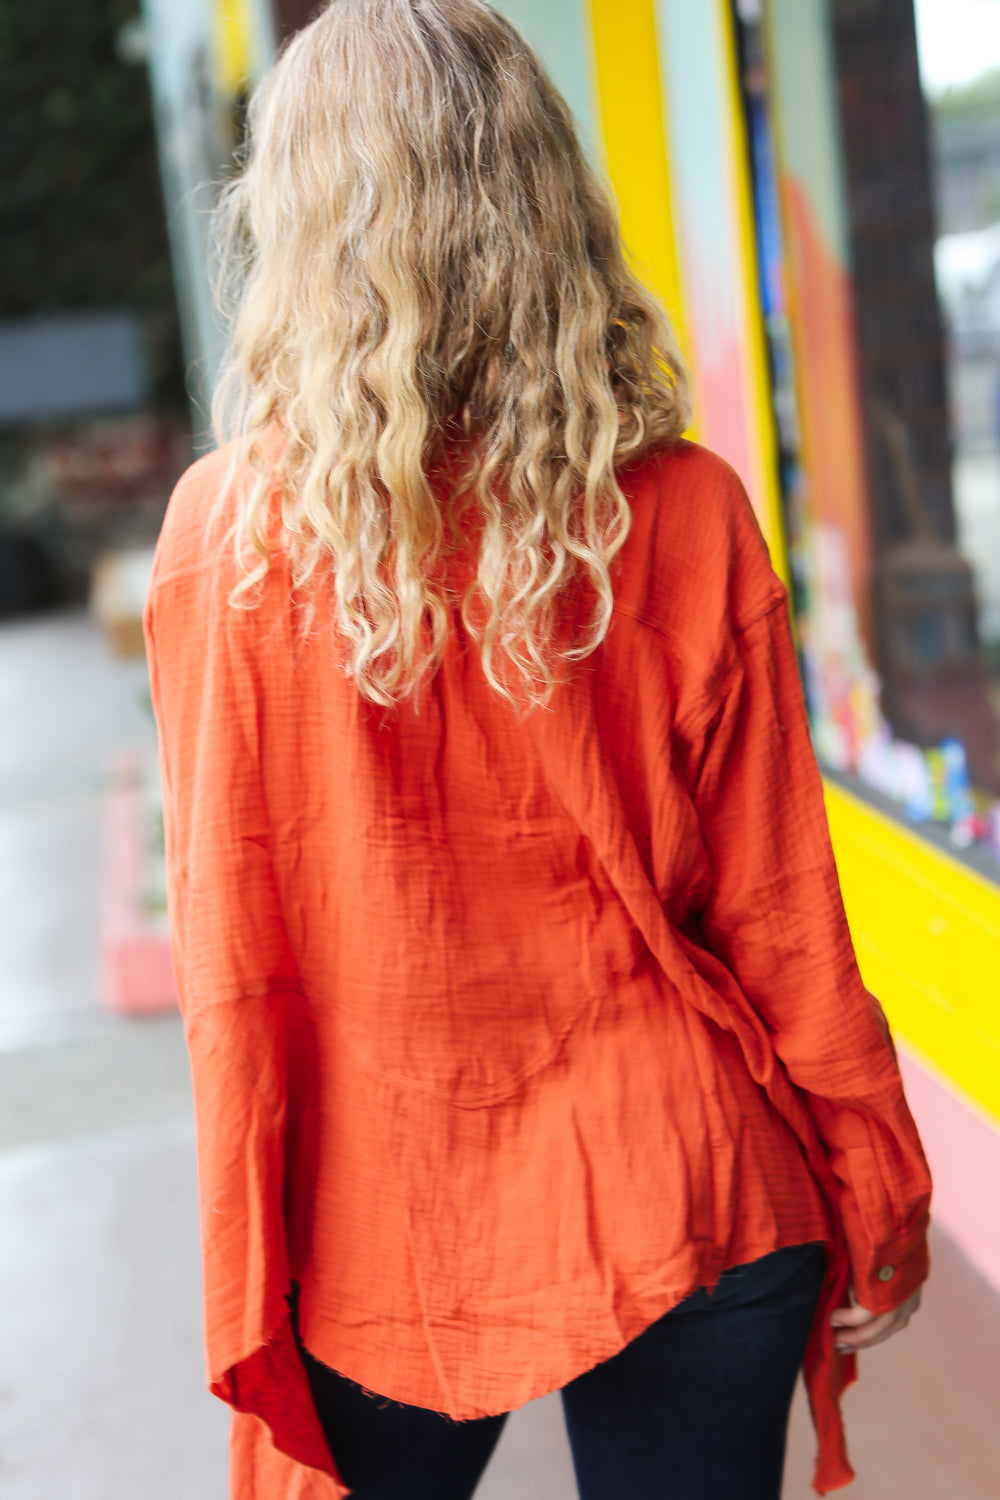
(695,1408)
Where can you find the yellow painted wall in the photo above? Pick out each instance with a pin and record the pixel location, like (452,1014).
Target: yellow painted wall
(630,102)
(232,37)
(927,934)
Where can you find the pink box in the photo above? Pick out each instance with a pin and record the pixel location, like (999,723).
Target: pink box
(137,976)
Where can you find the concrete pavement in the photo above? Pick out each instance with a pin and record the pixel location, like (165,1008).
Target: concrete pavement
(101,1385)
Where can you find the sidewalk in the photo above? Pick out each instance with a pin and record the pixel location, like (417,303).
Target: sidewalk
(101,1383)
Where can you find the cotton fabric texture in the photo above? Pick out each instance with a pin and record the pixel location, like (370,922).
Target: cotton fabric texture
(509,1032)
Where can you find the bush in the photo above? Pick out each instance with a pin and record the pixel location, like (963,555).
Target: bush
(81,214)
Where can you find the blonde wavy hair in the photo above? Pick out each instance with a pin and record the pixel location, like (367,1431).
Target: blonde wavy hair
(418,261)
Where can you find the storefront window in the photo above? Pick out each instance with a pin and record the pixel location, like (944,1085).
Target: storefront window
(876,131)
(960,72)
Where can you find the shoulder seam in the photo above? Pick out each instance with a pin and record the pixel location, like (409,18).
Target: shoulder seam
(183,570)
(639,617)
(760,611)
(697,723)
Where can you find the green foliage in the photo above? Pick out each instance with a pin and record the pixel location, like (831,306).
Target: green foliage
(979,98)
(81,216)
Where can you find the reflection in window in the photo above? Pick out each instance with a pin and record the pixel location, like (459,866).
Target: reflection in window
(896,562)
(965,136)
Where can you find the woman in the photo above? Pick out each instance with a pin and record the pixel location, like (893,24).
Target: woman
(528,1044)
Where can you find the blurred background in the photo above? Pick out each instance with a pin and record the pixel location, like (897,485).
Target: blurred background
(813,187)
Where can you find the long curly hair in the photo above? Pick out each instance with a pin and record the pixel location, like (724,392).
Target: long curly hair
(417,261)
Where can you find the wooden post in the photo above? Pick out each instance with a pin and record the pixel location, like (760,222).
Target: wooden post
(292,15)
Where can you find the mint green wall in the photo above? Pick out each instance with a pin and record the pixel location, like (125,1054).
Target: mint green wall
(802,85)
(559,30)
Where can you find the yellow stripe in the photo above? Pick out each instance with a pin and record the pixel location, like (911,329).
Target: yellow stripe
(756,374)
(232,45)
(927,934)
(630,108)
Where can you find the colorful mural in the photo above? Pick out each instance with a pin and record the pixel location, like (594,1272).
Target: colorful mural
(712,207)
(800,89)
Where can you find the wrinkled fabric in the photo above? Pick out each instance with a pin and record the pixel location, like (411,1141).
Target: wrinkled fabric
(509,1030)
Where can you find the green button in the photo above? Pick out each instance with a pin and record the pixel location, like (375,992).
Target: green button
(887,1273)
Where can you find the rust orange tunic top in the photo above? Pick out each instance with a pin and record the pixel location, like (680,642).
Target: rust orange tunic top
(507,1033)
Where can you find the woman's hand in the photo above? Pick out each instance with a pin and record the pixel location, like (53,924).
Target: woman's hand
(857,1328)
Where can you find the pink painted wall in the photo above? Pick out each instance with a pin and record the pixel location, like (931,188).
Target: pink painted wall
(963,1149)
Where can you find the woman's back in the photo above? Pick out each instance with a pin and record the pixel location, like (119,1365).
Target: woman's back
(517,984)
(488,984)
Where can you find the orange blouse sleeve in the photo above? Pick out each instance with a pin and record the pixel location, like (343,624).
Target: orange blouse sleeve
(240,998)
(776,918)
